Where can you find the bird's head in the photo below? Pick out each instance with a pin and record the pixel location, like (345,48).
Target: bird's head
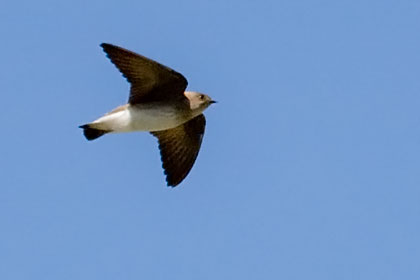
(198,101)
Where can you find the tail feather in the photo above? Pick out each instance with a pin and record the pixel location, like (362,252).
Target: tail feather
(92,133)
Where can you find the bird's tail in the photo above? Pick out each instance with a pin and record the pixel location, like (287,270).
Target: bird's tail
(92,133)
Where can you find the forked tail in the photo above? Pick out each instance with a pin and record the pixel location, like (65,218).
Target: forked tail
(92,133)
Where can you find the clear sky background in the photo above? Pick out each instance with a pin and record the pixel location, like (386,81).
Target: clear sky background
(309,167)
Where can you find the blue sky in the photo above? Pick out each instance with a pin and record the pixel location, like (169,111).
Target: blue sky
(309,167)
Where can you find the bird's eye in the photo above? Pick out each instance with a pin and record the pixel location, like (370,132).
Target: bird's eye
(201,96)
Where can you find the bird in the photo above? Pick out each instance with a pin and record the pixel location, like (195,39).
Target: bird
(158,103)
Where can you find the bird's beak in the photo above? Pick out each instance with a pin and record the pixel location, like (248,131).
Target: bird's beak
(212,101)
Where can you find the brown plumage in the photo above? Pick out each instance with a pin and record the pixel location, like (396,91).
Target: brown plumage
(157,103)
(150,81)
(179,148)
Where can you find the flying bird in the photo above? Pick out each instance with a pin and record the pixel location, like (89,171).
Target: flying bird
(157,103)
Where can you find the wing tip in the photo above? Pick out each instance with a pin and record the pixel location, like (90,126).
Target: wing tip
(105,45)
(171,184)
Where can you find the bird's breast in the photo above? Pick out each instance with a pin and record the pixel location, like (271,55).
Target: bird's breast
(143,118)
(152,118)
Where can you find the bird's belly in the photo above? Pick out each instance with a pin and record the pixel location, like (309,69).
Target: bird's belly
(154,120)
(140,119)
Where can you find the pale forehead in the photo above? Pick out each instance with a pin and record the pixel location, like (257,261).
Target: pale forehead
(192,93)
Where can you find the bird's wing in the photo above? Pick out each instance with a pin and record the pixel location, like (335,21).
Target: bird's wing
(179,148)
(150,81)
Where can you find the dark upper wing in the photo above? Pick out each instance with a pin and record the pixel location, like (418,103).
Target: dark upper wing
(179,148)
(150,80)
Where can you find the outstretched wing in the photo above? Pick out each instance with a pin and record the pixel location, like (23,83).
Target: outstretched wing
(179,148)
(150,80)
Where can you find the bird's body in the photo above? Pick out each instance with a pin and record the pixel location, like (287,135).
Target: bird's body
(142,117)
(158,103)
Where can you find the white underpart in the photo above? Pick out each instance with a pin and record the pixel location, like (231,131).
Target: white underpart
(134,119)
